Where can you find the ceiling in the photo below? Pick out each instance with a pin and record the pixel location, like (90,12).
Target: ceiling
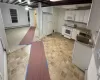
(75,6)
(45,3)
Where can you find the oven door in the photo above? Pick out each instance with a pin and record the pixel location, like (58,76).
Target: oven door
(68,32)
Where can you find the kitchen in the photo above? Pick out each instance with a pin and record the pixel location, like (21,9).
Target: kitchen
(71,21)
(71,47)
(73,25)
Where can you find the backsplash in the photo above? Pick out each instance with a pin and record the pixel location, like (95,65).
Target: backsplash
(79,24)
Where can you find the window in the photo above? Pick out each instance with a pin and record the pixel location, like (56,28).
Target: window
(28,16)
(13,14)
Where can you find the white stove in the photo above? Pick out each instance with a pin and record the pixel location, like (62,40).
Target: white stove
(67,31)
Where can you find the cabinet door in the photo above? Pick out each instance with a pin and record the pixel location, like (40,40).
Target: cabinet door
(86,16)
(69,14)
(81,55)
(81,14)
(77,16)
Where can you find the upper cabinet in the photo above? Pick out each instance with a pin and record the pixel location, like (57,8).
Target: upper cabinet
(86,16)
(69,15)
(78,15)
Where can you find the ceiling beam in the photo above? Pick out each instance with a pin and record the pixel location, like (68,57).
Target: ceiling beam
(16,3)
(70,2)
(1,0)
(42,1)
(24,3)
(13,1)
(7,1)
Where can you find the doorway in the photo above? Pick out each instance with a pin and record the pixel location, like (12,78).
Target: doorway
(47,24)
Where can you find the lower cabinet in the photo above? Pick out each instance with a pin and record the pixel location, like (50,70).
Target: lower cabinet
(74,33)
(81,55)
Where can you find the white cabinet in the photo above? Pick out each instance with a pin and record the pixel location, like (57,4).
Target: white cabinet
(81,55)
(69,15)
(74,33)
(79,17)
(82,16)
(86,16)
(63,30)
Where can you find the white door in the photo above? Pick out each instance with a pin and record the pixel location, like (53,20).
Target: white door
(47,24)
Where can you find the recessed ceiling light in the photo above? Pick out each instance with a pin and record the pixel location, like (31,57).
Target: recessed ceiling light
(26,8)
(20,0)
(28,1)
(55,0)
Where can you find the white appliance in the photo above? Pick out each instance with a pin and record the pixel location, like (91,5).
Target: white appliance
(81,55)
(67,32)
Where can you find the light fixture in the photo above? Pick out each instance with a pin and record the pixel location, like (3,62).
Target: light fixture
(20,1)
(55,0)
(28,1)
(26,8)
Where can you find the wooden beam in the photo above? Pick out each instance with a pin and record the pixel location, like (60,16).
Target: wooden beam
(42,1)
(13,1)
(1,0)
(17,3)
(7,1)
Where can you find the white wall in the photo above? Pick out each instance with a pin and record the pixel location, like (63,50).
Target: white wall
(47,9)
(31,17)
(2,32)
(61,21)
(92,70)
(94,21)
(58,19)
(22,15)
(3,63)
(55,18)
(94,25)
(3,60)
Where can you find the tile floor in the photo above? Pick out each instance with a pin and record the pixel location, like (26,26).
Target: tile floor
(15,35)
(58,52)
